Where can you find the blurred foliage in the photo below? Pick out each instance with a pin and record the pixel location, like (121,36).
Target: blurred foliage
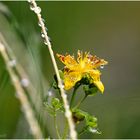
(111,29)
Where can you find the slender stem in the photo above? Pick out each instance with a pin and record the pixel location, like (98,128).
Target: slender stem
(65,130)
(68,113)
(74,93)
(73,97)
(83,131)
(56,127)
(80,102)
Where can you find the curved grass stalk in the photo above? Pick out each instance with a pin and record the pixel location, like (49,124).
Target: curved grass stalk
(68,114)
(27,109)
(22,74)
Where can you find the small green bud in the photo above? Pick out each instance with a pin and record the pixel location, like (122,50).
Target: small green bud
(55,102)
(90,90)
(78,115)
(91,121)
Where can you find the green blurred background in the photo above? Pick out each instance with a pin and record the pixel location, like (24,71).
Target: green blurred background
(111,30)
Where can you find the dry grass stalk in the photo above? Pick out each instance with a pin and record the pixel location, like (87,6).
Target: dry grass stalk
(27,109)
(68,114)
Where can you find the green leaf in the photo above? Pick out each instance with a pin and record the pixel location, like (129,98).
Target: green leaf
(55,85)
(90,130)
(78,115)
(56,104)
(91,124)
(49,108)
(53,106)
(91,121)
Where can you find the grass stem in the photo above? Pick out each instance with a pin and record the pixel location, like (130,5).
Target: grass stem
(27,109)
(68,114)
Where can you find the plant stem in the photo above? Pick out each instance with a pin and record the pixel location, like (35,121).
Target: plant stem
(83,131)
(65,130)
(56,127)
(74,93)
(73,97)
(68,113)
(79,103)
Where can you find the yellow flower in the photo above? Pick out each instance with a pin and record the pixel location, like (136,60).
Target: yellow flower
(86,63)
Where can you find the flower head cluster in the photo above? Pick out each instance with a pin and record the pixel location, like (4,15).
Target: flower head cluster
(76,69)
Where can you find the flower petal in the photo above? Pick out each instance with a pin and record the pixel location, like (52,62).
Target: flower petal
(100,62)
(96,61)
(99,85)
(71,78)
(95,75)
(84,64)
(68,60)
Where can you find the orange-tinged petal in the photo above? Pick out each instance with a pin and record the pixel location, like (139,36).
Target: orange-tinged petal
(79,56)
(68,60)
(100,62)
(96,61)
(84,64)
(71,78)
